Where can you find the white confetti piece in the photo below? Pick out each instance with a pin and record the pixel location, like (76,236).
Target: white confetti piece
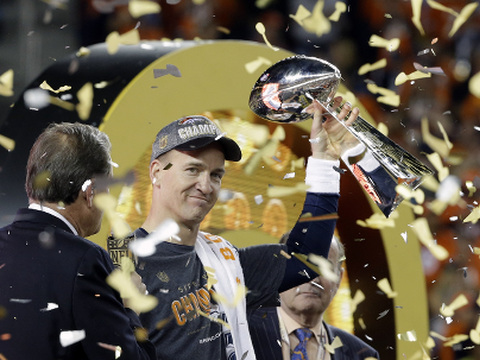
(146,246)
(71,337)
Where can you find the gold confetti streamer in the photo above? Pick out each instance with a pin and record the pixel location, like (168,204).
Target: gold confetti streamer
(6,83)
(378,221)
(407,193)
(114,40)
(365,68)
(455,339)
(340,8)
(384,285)
(317,23)
(121,280)
(472,189)
(85,99)
(437,6)
(474,85)
(282,191)
(7,143)
(336,343)
(473,216)
(437,163)
(45,86)
(388,96)
(417,13)
(357,299)
(389,45)
(422,230)
(475,333)
(240,293)
(138,8)
(254,65)
(325,267)
(449,310)
(301,14)
(83,51)
(465,13)
(442,147)
(211,280)
(107,203)
(261,30)
(416,75)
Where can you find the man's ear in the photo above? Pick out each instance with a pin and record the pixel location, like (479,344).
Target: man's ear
(88,194)
(156,169)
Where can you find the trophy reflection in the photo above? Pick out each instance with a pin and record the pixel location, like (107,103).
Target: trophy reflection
(289,86)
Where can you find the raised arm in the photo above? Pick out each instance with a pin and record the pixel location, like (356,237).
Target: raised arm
(328,138)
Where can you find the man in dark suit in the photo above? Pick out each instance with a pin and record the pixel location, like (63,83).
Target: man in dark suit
(296,329)
(54,299)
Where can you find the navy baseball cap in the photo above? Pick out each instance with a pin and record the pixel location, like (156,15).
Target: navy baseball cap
(191,133)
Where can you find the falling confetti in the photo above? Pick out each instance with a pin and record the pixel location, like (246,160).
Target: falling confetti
(416,75)
(436,160)
(384,285)
(365,68)
(282,191)
(261,30)
(422,230)
(387,97)
(389,45)
(7,143)
(114,40)
(357,299)
(6,83)
(340,8)
(255,65)
(121,280)
(473,216)
(146,246)
(442,147)
(68,338)
(436,70)
(325,267)
(107,203)
(302,14)
(336,343)
(85,99)
(474,85)
(317,23)
(378,221)
(45,86)
(417,13)
(169,70)
(466,12)
(475,333)
(116,349)
(138,8)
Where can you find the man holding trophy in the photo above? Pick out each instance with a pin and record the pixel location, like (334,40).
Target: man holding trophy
(199,278)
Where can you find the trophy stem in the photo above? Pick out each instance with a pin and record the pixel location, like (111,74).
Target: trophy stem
(397,165)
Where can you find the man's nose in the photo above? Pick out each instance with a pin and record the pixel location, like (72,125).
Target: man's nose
(204,183)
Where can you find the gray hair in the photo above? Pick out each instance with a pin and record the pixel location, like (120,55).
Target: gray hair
(66,155)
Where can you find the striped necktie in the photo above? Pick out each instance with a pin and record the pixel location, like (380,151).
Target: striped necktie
(300,351)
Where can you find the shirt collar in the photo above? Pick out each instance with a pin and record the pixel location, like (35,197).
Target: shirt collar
(291,325)
(35,206)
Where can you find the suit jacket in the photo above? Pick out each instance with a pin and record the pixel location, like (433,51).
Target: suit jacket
(52,282)
(267,341)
